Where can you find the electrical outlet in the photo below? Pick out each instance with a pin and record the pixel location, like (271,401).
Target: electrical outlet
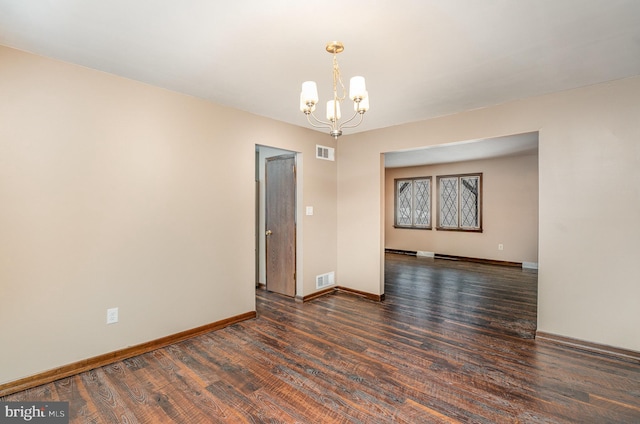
(112,315)
(500,246)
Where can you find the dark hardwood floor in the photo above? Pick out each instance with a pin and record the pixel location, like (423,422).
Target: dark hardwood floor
(452,342)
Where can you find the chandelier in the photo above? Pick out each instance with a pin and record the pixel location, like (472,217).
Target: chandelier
(357,92)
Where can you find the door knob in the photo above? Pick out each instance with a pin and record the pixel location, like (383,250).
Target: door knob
(268,232)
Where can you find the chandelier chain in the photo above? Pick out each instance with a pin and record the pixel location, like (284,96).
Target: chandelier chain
(337,79)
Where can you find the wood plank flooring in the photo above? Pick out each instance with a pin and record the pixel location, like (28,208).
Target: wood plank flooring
(452,342)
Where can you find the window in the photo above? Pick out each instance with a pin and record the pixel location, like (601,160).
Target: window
(460,202)
(413,203)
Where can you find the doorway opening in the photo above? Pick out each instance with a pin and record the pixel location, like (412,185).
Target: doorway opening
(508,205)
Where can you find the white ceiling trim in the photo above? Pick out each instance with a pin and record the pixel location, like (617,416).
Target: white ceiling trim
(520,144)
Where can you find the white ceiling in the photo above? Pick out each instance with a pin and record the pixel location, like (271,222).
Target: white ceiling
(421,58)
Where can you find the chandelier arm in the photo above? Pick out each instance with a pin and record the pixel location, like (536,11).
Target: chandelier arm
(351,119)
(323,123)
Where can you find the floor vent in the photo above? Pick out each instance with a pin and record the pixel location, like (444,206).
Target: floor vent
(326,153)
(325,280)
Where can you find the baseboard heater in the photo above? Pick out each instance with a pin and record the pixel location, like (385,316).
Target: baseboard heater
(402,252)
(456,258)
(478,260)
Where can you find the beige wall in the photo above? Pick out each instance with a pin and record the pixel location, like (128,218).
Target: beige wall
(115,193)
(589,203)
(509,211)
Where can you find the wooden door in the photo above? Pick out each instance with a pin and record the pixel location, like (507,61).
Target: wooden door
(280,220)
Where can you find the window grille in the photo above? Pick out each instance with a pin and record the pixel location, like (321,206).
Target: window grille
(413,203)
(460,202)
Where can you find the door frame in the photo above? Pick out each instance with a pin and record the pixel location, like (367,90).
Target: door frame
(262,152)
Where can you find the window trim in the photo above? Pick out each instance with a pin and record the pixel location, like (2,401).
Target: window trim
(395,203)
(439,203)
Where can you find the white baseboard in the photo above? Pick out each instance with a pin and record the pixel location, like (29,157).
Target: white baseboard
(530,265)
(425,254)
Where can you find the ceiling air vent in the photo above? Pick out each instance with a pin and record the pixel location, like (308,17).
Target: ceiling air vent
(326,153)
